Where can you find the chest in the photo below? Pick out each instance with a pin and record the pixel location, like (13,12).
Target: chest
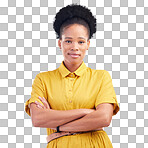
(72,93)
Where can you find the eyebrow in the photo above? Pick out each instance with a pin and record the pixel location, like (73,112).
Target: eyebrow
(78,38)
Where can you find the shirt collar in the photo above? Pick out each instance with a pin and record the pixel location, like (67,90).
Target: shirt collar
(64,71)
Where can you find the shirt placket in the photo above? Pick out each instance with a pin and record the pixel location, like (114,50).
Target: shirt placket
(71,78)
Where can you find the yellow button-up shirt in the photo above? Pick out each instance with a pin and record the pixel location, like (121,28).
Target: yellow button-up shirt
(84,88)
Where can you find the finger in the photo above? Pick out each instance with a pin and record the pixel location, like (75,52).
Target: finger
(48,106)
(44,102)
(39,104)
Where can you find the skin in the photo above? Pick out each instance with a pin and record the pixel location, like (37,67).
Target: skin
(74,40)
(47,106)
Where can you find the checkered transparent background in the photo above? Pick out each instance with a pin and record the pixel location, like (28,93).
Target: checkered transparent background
(28,46)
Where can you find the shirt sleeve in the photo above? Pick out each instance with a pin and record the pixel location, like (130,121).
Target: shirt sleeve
(107,93)
(37,90)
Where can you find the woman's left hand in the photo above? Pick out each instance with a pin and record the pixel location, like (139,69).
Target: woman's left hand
(46,104)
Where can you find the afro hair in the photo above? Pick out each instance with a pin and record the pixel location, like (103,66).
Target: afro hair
(74,11)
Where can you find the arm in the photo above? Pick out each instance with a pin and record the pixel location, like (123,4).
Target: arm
(50,118)
(97,119)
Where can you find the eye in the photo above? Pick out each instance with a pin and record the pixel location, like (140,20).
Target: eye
(68,41)
(81,42)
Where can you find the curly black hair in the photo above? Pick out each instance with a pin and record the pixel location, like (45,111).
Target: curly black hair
(74,14)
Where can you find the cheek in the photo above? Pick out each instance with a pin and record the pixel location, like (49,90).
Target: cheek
(65,51)
(64,46)
(84,52)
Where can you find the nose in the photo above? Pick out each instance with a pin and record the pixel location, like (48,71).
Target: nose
(74,46)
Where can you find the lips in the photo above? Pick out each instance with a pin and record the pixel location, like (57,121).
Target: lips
(74,54)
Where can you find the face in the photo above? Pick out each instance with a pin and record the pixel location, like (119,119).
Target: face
(74,42)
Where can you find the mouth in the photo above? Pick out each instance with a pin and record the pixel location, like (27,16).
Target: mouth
(74,55)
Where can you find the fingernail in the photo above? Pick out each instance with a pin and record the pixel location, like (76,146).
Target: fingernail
(39,97)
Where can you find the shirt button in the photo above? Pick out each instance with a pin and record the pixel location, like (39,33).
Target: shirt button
(70,101)
(71,75)
(71,79)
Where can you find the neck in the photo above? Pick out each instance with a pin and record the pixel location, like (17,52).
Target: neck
(72,67)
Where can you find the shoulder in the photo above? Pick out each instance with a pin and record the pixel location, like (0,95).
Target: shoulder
(42,74)
(98,72)
(46,74)
(97,75)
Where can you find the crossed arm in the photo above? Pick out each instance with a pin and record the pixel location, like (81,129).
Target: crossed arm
(75,120)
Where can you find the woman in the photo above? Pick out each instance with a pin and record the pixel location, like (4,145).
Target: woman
(73,100)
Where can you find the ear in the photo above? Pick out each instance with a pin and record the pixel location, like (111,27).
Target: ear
(88,44)
(59,43)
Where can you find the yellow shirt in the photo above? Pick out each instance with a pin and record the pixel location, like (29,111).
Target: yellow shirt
(84,88)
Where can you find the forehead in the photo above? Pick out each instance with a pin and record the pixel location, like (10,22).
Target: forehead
(76,30)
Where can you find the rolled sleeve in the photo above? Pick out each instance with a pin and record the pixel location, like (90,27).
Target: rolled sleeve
(107,93)
(37,90)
